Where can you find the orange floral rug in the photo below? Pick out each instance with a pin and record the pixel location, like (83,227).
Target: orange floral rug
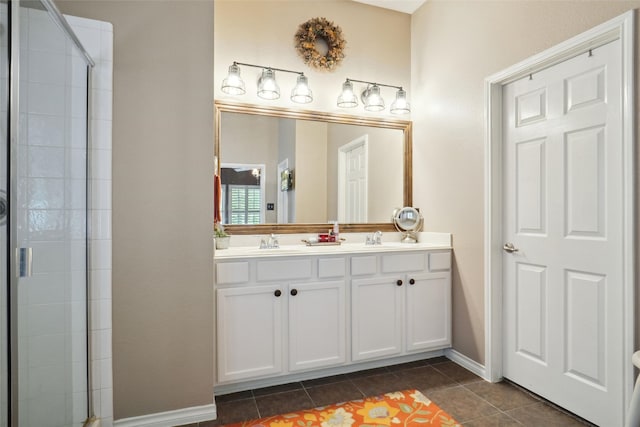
(401,408)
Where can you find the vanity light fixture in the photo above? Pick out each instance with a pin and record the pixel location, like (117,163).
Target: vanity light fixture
(233,83)
(267,86)
(371,97)
(347,98)
(301,93)
(400,105)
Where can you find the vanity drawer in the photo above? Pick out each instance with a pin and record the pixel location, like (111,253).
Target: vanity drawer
(331,267)
(228,273)
(439,261)
(399,263)
(361,265)
(285,269)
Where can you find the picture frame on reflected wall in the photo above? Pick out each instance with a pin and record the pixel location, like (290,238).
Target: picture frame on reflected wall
(286,180)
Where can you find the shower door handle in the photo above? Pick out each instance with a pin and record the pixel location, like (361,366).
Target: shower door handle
(24,261)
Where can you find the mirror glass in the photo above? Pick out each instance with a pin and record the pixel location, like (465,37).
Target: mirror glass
(281,168)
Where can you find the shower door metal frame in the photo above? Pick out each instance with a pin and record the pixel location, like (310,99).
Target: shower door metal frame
(12,260)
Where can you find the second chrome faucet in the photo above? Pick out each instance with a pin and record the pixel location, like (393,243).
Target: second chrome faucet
(270,242)
(374,239)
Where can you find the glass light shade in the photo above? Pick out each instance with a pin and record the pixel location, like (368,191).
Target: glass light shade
(400,105)
(374,101)
(347,99)
(233,83)
(301,93)
(267,86)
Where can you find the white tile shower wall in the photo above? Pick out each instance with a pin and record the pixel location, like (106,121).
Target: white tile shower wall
(97,38)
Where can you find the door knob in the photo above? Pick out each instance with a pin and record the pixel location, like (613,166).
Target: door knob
(277,293)
(508,247)
(294,292)
(399,282)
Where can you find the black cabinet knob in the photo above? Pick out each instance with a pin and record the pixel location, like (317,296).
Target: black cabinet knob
(412,282)
(278,292)
(399,282)
(294,292)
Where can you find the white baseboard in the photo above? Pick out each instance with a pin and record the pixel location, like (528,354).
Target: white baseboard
(178,417)
(467,363)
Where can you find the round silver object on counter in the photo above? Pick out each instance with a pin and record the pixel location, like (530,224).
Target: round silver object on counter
(408,221)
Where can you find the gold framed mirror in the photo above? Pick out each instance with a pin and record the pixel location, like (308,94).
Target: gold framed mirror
(396,171)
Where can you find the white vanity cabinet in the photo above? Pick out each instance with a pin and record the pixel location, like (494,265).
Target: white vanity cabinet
(250,331)
(427,311)
(317,325)
(403,306)
(280,317)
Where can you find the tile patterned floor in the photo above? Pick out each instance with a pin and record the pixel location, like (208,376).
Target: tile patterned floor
(469,399)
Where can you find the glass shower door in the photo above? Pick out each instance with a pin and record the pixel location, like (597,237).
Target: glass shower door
(4,176)
(48,225)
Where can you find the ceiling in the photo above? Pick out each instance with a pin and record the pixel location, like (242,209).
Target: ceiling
(405,6)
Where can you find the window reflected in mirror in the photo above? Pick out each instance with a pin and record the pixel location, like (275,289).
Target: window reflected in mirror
(242,189)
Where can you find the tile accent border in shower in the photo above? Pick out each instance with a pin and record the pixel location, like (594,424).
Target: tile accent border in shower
(97,38)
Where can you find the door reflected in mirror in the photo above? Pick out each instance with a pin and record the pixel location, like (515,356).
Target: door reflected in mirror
(283,167)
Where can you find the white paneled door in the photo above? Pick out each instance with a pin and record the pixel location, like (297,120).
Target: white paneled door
(353,181)
(563,219)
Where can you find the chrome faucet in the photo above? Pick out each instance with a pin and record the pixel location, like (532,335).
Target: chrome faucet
(270,243)
(374,239)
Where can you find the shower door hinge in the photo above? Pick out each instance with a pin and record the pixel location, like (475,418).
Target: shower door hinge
(24,261)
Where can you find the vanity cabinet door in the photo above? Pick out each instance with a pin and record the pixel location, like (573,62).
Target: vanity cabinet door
(428,311)
(250,325)
(317,325)
(376,317)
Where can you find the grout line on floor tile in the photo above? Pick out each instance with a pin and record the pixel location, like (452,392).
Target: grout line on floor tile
(358,388)
(255,403)
(313,402)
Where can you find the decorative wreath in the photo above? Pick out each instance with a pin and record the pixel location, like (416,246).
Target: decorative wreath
(323,29)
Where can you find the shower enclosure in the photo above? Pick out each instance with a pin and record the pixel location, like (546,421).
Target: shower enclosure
(44,79)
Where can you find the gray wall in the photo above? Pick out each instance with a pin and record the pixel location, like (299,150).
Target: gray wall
(162,202)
